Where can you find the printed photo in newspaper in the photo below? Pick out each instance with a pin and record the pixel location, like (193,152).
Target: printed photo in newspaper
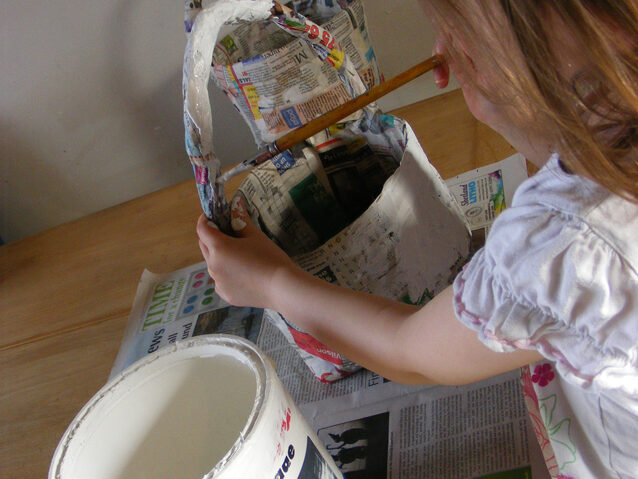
(483,193)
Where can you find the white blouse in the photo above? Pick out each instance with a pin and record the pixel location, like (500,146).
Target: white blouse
(559,273)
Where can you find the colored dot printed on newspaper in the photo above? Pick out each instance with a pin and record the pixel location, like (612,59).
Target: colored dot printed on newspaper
(199,294)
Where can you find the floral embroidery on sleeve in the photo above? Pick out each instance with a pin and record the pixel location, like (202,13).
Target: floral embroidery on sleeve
(558,430)
(543,374)
(531,401)
(554,435)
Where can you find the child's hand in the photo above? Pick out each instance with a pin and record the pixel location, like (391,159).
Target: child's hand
(243,268)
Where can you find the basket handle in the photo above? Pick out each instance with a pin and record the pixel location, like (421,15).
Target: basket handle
(203,26)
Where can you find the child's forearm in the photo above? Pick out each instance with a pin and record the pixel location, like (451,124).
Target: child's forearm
(362,327)
(398,341)
(404,343)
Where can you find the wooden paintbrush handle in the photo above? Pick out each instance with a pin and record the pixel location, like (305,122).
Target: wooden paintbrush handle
(315,126)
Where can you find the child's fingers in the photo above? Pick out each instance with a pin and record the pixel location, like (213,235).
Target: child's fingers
(204,249)
(206,254)
(206,229)
(240,220)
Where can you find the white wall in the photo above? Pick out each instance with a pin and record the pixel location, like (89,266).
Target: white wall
(90,102)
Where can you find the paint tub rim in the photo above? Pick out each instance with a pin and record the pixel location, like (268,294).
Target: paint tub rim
(193,348)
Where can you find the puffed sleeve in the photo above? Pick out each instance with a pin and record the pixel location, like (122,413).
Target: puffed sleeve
(547,280)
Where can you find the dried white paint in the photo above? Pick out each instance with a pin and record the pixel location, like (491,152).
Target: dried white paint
(180,422)
(237,224)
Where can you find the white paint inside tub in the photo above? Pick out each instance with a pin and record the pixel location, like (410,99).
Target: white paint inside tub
(176,424)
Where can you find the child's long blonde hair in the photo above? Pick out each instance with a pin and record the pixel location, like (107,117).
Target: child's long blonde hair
(592,119)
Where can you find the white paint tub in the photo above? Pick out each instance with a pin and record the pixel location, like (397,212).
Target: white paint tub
(209,407)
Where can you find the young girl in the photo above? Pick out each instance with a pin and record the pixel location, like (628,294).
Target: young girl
(557,281)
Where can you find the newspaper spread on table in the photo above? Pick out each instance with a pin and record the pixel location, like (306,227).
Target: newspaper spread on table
(372,427)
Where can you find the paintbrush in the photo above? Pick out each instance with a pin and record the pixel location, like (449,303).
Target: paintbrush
(343,111)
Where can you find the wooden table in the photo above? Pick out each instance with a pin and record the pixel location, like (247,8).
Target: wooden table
(65,294)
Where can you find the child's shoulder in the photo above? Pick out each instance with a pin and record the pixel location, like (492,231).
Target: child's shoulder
(558,272)
(555,211)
